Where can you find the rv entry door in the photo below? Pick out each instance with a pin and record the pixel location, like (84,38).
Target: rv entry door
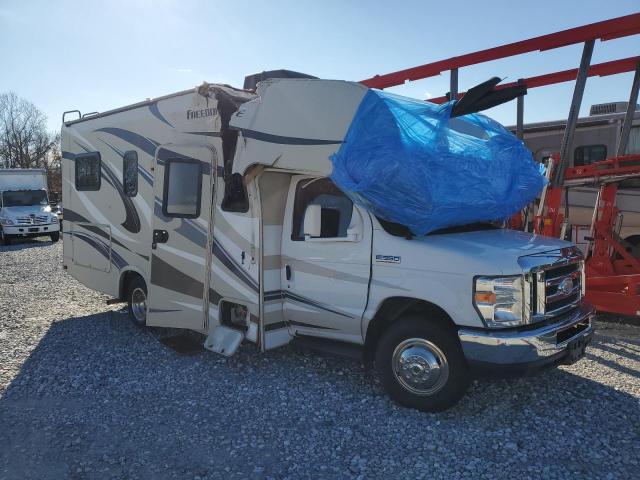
(181,225)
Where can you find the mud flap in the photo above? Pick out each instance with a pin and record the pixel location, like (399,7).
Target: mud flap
(224,340)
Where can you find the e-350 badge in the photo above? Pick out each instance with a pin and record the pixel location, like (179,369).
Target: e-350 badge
(387,259)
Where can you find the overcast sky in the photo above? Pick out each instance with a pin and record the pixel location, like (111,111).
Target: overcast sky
(94,56)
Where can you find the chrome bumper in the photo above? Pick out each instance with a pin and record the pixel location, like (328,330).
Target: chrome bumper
(519,348)
(43,228)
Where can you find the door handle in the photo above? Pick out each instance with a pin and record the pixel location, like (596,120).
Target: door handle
(159,236)
(287,270)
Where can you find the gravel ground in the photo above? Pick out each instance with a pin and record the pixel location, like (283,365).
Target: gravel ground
(85,394)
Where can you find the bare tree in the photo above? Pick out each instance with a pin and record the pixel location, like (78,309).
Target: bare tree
(24,140)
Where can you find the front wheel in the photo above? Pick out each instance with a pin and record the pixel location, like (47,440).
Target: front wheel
(4,239)
(55,236)
(421,364)
(137,298)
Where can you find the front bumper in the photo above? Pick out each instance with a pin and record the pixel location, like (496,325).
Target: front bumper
(30,230)
(519,352)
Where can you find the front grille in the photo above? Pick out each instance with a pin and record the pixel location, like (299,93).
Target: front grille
(35,220)
(556,286)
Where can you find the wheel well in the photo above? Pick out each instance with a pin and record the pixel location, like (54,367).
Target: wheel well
(391,310)
(125,280)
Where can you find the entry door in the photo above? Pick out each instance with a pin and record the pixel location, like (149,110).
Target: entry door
(183,197)
(325,279)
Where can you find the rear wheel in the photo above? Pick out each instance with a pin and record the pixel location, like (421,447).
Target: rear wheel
(55,236)
(137,298)
(421,364)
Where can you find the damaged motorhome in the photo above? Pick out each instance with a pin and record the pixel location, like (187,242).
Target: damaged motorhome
(212,210)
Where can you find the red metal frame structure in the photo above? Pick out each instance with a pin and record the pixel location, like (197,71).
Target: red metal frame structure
(613,274)
(606,30)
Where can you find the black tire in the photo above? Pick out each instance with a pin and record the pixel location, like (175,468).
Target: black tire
(134,287)
(4,239)
(55,236)
(634,240)
(423,338)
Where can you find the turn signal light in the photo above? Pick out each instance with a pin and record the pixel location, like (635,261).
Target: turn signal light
(485,297)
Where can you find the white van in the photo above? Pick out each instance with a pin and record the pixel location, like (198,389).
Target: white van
(211,210)
(24,205)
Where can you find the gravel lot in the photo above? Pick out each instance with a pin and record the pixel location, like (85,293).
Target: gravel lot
(85,394)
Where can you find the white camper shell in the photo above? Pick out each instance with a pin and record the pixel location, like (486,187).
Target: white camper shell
(211,210)
(24,205)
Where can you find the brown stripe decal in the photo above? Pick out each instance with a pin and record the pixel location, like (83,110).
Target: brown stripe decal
(169,277)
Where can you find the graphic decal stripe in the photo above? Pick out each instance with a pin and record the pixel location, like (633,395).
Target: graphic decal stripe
(309,325)
(153,108)
(270,138)
(277,295)
(102,248)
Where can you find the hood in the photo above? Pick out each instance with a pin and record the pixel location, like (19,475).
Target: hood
(485,252)
(12,212)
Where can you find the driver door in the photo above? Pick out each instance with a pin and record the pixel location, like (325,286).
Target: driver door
(325,278)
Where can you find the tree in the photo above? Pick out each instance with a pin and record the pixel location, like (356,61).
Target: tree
(24,140)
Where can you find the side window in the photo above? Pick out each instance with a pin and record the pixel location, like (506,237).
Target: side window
(587,154)
(182,188)
(88,171)
(337,208)
(130,173)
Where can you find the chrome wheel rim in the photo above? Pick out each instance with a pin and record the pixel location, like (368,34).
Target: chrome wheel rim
(420,366)
(139,304)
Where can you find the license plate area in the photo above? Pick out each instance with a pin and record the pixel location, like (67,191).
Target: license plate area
(564,335)
(33,229)
(576,350)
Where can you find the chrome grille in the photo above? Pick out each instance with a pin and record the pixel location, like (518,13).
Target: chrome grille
(554,281)
(35,220)
(562,288)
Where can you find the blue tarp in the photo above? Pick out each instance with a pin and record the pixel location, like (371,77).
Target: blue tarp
(408,162)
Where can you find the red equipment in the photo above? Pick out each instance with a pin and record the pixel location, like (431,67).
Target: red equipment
(612,272)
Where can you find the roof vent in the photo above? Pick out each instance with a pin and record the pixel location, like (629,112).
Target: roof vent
(609,108)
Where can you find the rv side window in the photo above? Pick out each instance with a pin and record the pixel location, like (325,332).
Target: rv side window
(337,208)
(130,173)
(587,154)
(88,171)
(182,188)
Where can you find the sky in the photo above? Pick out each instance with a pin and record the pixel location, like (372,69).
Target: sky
(95,56)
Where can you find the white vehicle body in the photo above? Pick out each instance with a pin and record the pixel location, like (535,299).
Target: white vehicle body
(245,258)
(24,205)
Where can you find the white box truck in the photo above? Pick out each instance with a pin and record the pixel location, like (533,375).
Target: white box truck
(24,205)
(212,210)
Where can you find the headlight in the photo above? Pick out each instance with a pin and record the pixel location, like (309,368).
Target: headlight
(6,221)
(54,218)
(499,300)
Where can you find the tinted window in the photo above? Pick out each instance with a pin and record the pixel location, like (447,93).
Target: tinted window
(587,154)
(88,171)
(337,208)
(182,188)
(130,173)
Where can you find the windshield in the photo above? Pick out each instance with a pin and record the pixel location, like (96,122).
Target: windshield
(24,198)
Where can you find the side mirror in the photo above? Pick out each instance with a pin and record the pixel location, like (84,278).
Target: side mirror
(312,224)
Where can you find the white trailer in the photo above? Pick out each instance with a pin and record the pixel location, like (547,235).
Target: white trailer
(211,210)
(24,205)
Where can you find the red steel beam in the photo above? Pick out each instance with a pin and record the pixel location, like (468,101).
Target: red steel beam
(599,70)
(606,30)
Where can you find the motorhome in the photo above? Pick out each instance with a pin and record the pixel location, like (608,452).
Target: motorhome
(212,209)
(24,206)
(596,138)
